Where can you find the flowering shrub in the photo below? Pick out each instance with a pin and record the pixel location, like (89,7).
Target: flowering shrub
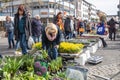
(66,47)
(40,69)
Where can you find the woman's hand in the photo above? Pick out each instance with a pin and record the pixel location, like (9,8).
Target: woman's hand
(56,46)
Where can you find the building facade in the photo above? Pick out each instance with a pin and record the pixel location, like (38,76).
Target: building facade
(88,11)
(48,8)
(85,10)
(45,8)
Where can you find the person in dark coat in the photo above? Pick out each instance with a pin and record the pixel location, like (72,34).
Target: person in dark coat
(22,28)
(112,28)
(67,27)
(51,37)
(36,28)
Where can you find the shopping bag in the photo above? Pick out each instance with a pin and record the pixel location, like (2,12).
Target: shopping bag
(81,30)
(30,42)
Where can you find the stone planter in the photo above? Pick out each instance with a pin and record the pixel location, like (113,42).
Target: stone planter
(82,59)
(93,48)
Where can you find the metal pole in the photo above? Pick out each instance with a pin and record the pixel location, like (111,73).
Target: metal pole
(12,8)
(32,7)
(59,6)
(118,14)
(69,7)
(55,6)
(39,9)
(1,8)
(48,12)
(63,6)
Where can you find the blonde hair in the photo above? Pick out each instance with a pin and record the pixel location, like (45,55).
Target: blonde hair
(51,28)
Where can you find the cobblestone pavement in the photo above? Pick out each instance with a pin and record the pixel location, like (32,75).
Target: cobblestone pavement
(111,62)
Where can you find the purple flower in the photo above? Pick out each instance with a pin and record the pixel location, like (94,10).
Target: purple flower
(39,73)
(37,65)
(43,69)
(56,78)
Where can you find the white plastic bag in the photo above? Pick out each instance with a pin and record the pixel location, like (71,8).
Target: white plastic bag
(73,74)
(18,53)
(30,42)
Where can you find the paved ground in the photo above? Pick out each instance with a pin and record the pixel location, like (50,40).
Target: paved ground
(109,66)
(111,63)
(4,48)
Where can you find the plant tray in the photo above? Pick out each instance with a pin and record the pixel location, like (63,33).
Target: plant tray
(71,55)
(95,59)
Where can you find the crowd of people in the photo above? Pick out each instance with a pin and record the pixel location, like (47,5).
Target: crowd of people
(23,27)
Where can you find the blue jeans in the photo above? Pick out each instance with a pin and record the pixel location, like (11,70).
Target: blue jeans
(53,53)
(10,39)
(70,35)
(36,39)
(23,43)
(17,45)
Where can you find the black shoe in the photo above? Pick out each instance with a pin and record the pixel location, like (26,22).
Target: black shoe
(105,46)
(9,47)
(1,56)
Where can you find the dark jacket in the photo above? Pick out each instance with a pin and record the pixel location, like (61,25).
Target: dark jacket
(36,27)
(27,26)
(46,43)
(112,23)
(67,25)
(9,26)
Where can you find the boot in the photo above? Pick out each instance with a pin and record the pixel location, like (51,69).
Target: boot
(9,47)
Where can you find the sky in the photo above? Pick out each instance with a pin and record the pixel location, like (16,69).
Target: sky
(107,6)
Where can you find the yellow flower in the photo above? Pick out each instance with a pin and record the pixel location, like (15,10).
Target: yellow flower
(38,46)
(66,47)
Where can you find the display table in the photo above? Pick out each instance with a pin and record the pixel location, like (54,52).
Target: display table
(95,35)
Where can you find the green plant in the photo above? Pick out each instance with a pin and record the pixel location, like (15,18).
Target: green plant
(55,65)
(28,63)
(44,54)
(60,76)
(11,66)
(28,76)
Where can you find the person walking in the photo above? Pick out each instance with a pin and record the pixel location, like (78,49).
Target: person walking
(9,25)
(36,28)
(51,37)
(59,21)
(80,27)
(101,31)
(88,28)
(22,28)
(112,28)
(67,28)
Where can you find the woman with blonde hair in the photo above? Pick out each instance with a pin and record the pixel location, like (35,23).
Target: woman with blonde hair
(9,25)
(51,39)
